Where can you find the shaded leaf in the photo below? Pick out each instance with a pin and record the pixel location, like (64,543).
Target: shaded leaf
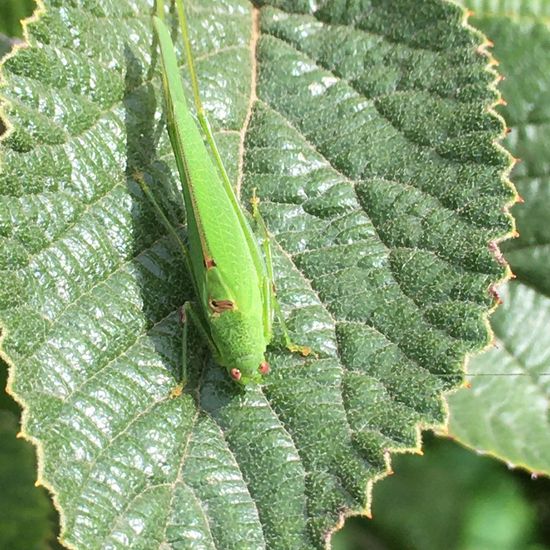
(26,519)
(449,498)
(12,12)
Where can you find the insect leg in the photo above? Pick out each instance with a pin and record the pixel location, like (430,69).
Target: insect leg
(188,314)
(191,314)
(178,390)
(185,325)
(138,176)
(159,8)
(273,302)
(201,113)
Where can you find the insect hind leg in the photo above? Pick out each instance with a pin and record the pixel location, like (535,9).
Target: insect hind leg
(274,302)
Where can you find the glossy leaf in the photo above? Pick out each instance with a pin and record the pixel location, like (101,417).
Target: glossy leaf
(365,129)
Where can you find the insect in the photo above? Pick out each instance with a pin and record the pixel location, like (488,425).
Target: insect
(232,274)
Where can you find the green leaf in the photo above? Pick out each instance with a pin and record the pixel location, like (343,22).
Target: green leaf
(367,134)
(505,413)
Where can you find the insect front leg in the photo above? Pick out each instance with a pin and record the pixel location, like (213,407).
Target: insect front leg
(168,225)
(188,314)
(186,311)
(178,390)
(271,304)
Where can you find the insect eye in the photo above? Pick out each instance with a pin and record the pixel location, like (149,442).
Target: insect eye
(264,368)
(235,374)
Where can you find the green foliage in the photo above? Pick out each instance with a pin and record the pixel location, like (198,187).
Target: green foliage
(373,153)
(449,498)
(505,413)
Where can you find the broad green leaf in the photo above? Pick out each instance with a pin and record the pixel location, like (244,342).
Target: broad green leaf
(505,413)
(365,129)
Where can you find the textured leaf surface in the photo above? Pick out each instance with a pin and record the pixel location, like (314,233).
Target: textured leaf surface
(365,129)
(26,515)
(507,411)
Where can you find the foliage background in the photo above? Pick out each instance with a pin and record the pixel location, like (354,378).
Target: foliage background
(448,498)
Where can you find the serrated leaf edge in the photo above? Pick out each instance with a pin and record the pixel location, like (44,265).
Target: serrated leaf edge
(39,10)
